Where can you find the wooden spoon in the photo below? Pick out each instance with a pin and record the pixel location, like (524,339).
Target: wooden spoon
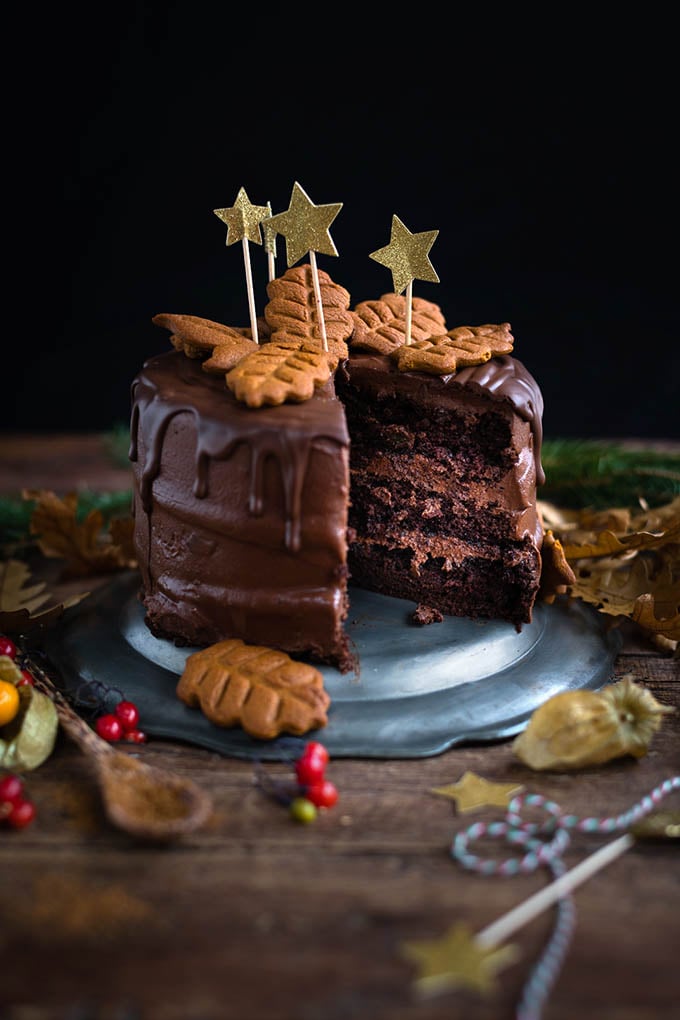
(143,800)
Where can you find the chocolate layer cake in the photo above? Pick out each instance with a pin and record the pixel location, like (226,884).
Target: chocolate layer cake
(240,514)
(246,515)
(443,485)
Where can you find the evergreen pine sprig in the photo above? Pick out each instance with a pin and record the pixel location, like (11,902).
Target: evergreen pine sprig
(117,442)
(602,475)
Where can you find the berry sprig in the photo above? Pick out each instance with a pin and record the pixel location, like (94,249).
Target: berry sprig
(310,791)
(16,809)
(8,648)
(120,724)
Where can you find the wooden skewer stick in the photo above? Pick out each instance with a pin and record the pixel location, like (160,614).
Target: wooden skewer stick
(249,286)
(500,930)
(409,313)
(317,295)
(270,247)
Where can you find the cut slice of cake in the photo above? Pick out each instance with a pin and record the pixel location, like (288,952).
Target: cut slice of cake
(444,470)
(247,521)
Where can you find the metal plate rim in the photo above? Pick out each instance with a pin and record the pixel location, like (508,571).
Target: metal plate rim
(574,650)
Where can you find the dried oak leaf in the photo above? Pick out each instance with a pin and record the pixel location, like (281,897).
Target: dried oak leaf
(607,543)
(197,337)
(633,588)
(84,545)
(22,606)
(579,525)
(284,369)
(292,311)
(645,615)
(457,348)
(380,326)
(260,689)
(660,518)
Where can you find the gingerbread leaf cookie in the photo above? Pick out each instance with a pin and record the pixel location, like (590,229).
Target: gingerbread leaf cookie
(380,326)
(260,689)
(292,310)
(196,336)
(226,355)
(285,369)
(458,348)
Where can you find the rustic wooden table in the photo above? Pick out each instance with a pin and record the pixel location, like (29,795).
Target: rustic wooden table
(257,917)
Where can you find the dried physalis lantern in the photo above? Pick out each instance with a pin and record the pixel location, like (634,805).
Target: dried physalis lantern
(577,729)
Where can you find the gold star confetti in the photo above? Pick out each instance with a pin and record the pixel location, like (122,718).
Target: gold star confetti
(454,960)
(472,792)
(407,256)
(243,219)
(305,226)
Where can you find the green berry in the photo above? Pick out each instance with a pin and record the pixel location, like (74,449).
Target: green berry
(303,810)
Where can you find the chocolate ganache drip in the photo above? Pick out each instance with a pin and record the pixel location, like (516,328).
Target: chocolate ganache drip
(171,385)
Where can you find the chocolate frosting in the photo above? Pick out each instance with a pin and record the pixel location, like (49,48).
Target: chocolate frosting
(171,384)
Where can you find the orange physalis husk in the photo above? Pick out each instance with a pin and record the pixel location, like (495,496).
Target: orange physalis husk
(576,729)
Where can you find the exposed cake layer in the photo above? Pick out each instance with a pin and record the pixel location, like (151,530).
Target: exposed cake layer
(240,515)
(502,586)
(443,481)
(391,494)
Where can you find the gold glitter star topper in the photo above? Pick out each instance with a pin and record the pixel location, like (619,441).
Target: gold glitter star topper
(243,224)
(305,227)
(407,256)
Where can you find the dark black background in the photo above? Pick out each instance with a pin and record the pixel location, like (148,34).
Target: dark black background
(544,154)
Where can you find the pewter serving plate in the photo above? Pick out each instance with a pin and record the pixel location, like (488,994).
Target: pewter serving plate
(418,691)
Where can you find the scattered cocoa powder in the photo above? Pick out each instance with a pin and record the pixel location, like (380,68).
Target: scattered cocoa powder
(78,908)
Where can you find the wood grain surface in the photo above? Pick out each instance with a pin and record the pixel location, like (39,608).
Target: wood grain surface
(256,917)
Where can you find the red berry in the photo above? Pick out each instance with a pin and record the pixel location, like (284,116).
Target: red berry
(7,647)
(109,727)
(310,769)
(11,789)
(323,794)
(314,747)
(136,736)
(22,814)
(128,713)
(26,679)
